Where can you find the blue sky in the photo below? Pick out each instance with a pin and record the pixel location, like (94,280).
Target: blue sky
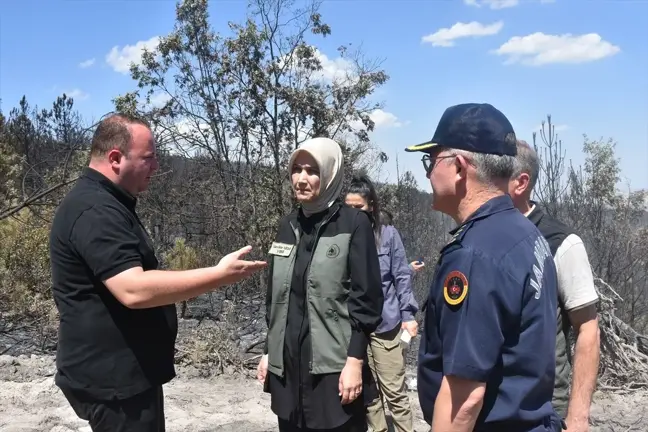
(595,84)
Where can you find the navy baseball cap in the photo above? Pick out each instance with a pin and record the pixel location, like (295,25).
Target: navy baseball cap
(479,128)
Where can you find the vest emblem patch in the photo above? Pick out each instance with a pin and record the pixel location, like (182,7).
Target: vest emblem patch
(333,251)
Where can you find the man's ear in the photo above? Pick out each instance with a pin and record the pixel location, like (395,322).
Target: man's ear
(461,164)
(114,157)
(522,184)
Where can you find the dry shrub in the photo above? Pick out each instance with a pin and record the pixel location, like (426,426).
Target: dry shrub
(211,346)
(25,270)
(624,351)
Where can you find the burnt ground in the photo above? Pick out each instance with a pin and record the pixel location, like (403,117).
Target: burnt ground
(29,401)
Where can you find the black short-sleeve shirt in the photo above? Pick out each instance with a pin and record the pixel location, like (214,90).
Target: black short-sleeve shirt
(105,349)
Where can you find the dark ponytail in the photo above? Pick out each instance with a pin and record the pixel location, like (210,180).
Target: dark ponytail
(386,218)
(362,185)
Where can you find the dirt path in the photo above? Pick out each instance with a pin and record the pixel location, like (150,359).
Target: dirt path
(29,401)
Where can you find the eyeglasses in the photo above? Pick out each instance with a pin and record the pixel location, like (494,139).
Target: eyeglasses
(429,162)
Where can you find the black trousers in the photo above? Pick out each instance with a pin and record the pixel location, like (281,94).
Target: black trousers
(143,412)
(356,424)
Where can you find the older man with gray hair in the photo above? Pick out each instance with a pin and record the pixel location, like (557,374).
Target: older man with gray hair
(486,360)
(577,298)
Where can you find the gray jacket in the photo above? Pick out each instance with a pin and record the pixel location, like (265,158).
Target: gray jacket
(396,279)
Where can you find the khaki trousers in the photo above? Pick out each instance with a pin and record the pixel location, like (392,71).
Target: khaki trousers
(387,362)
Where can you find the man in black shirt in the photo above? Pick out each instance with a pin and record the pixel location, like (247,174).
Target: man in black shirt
(118,321)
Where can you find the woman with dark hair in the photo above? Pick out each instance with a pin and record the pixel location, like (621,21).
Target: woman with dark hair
(323,302)
(386,218)
(386,354)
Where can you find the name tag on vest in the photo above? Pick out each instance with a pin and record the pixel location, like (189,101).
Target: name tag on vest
(281,249)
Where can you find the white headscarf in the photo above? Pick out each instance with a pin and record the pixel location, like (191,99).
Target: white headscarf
(328,155)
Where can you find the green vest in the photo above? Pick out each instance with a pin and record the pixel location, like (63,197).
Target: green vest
(556,232)
(327,289)
(563,365)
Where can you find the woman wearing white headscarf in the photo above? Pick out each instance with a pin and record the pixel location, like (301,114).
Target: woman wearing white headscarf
(324,300)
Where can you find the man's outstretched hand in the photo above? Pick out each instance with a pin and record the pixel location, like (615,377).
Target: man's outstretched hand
(234,268)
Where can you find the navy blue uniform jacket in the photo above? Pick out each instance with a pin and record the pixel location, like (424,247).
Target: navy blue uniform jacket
(491,317)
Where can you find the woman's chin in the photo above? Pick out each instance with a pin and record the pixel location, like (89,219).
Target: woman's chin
(304,198)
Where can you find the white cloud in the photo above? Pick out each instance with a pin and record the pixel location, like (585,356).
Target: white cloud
(384,119)
(381,119)
(336,69)
(499,4)
(77,95)
(183,136)
(540,49)
(158,100)
(493,4)
(87,63)
(120,59)
(446,37)
(188,127)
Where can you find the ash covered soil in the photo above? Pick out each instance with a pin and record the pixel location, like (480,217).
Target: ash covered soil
(29,401)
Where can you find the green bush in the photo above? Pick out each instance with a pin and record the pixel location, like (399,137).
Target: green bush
(25,269)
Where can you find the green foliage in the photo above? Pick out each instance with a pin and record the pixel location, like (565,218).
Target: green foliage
(9,173)
(181,257)
(611,221)
(41,152)
(25,268)
(227,110)
(422,230)
(9,169)
(602,171)
(236,105)
(45,150)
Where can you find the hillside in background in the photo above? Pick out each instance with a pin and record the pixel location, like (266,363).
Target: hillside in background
(225,131)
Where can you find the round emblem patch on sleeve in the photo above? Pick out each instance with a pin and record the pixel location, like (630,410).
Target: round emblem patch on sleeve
(455,288)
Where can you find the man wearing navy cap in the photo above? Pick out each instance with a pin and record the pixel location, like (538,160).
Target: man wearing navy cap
(486,361)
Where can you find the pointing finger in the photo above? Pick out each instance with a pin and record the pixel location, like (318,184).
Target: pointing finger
(244,250)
